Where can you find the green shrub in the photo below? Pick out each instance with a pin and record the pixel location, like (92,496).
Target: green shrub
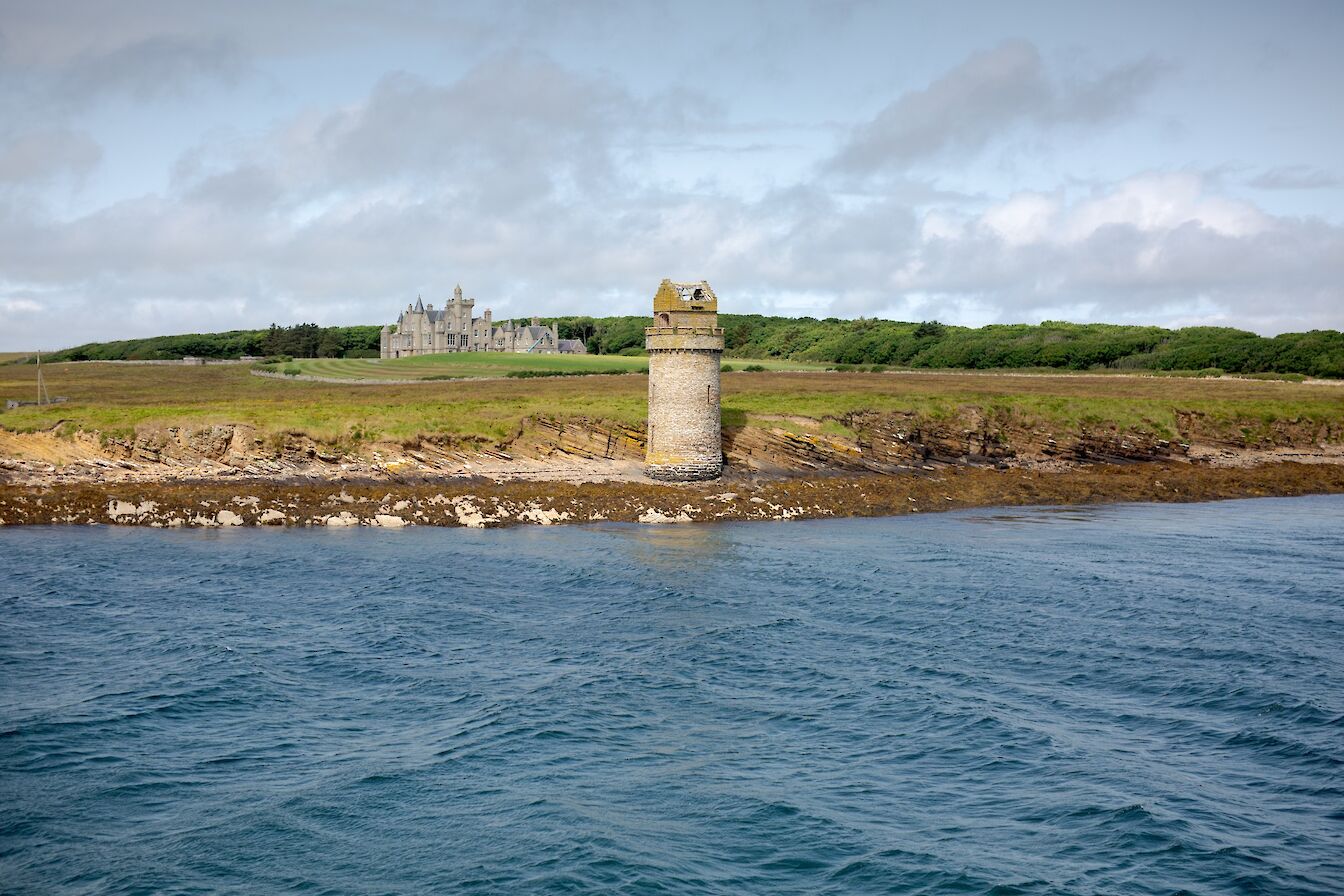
(753,368)
(531,374)
(291,370)
(1284,377)
(845,343)
(726,368)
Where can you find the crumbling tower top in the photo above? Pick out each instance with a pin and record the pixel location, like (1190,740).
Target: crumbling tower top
(685,297)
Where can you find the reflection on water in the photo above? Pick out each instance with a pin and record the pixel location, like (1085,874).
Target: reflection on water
(1041,515)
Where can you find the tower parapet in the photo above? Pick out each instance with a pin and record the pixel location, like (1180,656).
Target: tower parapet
(685,345)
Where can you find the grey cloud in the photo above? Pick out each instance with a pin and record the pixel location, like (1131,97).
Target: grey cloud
(988,94)
(247,186)
(515,181)
(1112,94)
(42,155)
(159,259)
(515,129)
(1285,278)
(521,118)
(154,67)
(1294,177)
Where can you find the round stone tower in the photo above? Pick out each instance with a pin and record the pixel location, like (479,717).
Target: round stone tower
(685,344)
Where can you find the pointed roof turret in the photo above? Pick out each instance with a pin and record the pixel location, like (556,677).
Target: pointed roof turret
(419,306)
(457,293)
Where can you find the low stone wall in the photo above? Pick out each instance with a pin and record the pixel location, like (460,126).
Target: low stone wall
(199,362)
(310,378)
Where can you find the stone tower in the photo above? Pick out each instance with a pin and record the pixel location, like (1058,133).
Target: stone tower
(685,344)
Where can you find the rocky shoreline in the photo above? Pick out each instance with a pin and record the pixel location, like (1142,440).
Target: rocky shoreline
(476,502)
(576,470)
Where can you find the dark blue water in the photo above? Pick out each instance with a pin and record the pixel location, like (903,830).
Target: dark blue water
(1134,699)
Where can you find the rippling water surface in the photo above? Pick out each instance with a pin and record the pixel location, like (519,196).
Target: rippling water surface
(1133,699)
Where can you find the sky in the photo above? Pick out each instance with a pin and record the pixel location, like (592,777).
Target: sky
(171,167)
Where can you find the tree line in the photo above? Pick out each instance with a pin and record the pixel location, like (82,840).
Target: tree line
(1051,344)
(298,341)
(930,344)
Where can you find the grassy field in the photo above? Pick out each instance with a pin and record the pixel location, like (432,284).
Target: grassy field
(9,357)
(116,399)
(490,364)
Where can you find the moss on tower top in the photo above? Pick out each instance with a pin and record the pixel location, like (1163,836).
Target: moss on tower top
(695,296)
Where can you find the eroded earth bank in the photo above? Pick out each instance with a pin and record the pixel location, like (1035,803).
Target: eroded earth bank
(549,471)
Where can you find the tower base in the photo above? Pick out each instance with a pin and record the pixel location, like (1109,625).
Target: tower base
(687,472)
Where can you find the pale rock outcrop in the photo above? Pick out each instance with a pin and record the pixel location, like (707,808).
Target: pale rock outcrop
(117,509)
(657,516)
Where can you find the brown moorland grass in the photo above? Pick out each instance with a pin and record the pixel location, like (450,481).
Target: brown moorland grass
(495,364)
(115,399)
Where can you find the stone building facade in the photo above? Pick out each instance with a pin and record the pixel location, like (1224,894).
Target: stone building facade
(685,345)
(425,330)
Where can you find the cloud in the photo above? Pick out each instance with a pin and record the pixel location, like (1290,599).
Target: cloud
(985,96)
(1294,177)
(46,154)
(524,180)
(1153,248)
(510,178)
(161,65)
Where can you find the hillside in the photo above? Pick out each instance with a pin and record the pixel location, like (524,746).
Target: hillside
(927,345)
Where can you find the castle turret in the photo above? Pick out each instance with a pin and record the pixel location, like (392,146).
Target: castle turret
(685,346)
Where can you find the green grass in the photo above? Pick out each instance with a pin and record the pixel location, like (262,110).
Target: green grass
(491,364)
(116,400)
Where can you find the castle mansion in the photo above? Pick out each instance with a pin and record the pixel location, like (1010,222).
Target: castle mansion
(423,330)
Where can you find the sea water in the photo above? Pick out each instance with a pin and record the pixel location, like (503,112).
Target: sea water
(1124,699)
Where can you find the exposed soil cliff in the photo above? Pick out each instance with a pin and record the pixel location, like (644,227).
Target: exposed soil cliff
(551,471)
(579,450)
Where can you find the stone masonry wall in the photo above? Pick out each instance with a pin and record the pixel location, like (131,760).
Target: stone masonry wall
(684,428)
